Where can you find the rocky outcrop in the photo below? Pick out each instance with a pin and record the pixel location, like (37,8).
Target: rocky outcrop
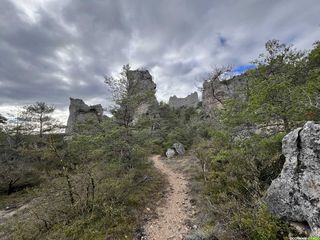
(191,100)
(141,81)
(216,92)
(80,113)
(295,194)
(142,86)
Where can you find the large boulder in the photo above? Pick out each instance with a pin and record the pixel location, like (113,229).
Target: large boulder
(295,194)
(191,100)
(81,113)
(179,148)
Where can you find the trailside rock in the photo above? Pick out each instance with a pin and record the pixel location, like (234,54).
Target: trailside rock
(80,113)
(191,100)
(179,148)
(170,153)
(295,194)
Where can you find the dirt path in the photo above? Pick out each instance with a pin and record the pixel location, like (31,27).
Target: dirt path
(7,214)
(171,223)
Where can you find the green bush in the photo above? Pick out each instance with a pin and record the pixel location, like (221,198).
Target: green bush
(258,224)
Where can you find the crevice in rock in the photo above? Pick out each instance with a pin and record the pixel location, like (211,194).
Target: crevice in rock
(300,166)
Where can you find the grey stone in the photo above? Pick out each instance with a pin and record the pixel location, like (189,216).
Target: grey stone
(141,80)
(142,85)
(191,100)
(295,194)
(216,92)
(80,113)
(170,153)
(179,148)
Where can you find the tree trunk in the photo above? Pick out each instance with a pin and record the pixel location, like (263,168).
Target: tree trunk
(286,125)
(70,189)
(10,187)
(41,123)
(93,188)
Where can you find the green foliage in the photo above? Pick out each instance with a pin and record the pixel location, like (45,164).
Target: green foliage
(39,114)
(241,154)
(176,125)
(127,96)
(279,93)
(236,175)
(94,186)
(99,188)
(120,197)
(259,224)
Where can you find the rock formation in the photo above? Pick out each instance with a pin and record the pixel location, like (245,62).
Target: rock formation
(191,100)
(216,92)
(80,113)
(142,85)
(141,81)
(295,194)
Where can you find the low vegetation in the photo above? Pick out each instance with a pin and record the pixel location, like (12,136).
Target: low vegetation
(93,186)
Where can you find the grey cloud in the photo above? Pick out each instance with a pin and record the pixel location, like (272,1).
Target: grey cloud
(72,45)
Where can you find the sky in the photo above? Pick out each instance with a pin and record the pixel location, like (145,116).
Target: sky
(55,49)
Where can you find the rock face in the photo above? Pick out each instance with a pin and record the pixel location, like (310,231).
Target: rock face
(142,85)
(170,153)
(179,148)
(141,81)
(191,100)
(295,194)
(80,113)
(216,92)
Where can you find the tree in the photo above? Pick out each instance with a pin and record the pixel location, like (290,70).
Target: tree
(312,88)
(17,129)
(15,172)
(39,113)
(126,96)
(214,78)
(273,96)
(124,109)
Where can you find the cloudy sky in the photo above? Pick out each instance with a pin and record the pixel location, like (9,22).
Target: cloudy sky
(53,49)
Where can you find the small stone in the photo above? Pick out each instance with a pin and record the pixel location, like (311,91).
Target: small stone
(170,153)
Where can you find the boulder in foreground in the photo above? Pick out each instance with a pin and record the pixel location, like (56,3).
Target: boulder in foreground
(295,194)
